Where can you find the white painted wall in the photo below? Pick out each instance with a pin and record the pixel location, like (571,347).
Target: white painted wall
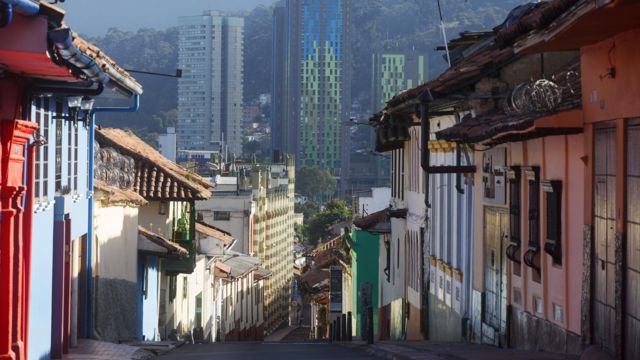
(116,237)
(378,200)
(168,145)
(240,208)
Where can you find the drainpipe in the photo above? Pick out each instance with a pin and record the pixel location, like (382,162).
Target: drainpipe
(425,162)
(132,108)
(7,14)
(24,7)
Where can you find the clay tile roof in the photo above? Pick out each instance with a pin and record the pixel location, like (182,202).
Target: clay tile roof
(241,264)
(487,126)
(107,64)
(156,177)
(316,277)
(117,196)
(491,57)
(214,232)
(375,221)
(171,247)
(539,17)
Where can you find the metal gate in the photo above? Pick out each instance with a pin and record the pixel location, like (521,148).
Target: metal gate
(631,315)
(495,275)
(604,319)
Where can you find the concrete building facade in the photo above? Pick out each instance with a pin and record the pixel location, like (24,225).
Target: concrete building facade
(210,90)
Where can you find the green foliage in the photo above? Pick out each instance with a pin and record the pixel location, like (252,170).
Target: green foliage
(259,149)
(333,212)
(308,209)
(314,182)
(299,231)
(148,50)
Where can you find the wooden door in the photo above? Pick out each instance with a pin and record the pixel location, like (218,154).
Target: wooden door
(604,238)
(631,311)
(495,272)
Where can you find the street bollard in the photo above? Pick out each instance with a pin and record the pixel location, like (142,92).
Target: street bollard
(343,329)
(338,328)
(349,327)
(370,325)
(331,332)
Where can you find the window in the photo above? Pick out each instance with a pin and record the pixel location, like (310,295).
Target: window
(41,181)
(185,287)
(172,287)
(145,278)
(58,152)
(553,245)
(532,256)
(513,251)
(222,215)
(387,246)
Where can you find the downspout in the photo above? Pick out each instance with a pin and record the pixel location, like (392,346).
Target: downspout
(28,180)
(24,7)
(425,162)
(132,108)
(7,17)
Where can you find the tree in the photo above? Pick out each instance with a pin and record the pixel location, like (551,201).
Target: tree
(334,211)
(315,183)
(308,209)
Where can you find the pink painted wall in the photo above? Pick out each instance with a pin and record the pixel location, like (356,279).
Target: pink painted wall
(606,98)
(559,159)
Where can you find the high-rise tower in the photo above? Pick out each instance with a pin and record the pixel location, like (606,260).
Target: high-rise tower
(311,77)
(210,90)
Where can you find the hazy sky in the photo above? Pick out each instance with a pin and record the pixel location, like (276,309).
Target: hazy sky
(94,17)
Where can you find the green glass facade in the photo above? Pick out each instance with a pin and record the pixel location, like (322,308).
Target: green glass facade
(311,94)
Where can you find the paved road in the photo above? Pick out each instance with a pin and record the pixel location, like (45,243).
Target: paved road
(266,351)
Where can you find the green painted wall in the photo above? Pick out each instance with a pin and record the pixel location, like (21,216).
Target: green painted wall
(364,268)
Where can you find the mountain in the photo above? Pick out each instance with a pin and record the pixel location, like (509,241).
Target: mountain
(375,25)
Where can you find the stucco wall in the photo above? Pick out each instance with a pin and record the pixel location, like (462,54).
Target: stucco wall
(115,272)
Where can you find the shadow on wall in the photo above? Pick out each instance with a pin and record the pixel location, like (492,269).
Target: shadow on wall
(115,280)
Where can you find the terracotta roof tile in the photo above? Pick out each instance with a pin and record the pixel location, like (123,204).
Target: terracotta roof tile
(161,241)
(117,196)
(214,232)
(156,177)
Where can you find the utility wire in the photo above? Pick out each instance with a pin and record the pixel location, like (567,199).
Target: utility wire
(444,34)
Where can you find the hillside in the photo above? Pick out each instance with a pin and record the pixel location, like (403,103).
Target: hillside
(376,25)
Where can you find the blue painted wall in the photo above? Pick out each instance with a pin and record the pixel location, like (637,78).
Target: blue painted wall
(74,203)
(148,304)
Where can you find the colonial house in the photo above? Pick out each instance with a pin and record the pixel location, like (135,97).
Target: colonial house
(540,122)
(254,203)
(239,281)
(401,295)
(168,221)
(49,77)
(607,203)
(369,235)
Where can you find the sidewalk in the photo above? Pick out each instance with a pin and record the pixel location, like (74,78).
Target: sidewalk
(423,350)
(280,334)
(100,350)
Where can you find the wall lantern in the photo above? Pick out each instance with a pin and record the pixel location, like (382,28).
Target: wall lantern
(79,108)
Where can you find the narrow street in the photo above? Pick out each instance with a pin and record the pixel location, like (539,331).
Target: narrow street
(267,351)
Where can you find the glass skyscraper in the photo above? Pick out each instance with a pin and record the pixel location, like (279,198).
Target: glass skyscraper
(311,82)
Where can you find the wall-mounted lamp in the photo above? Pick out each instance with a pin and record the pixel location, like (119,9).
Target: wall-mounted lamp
(79,108)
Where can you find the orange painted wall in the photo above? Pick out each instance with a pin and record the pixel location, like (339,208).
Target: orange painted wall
(604,98)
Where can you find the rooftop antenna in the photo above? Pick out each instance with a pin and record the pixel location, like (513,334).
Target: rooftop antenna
(444,34)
